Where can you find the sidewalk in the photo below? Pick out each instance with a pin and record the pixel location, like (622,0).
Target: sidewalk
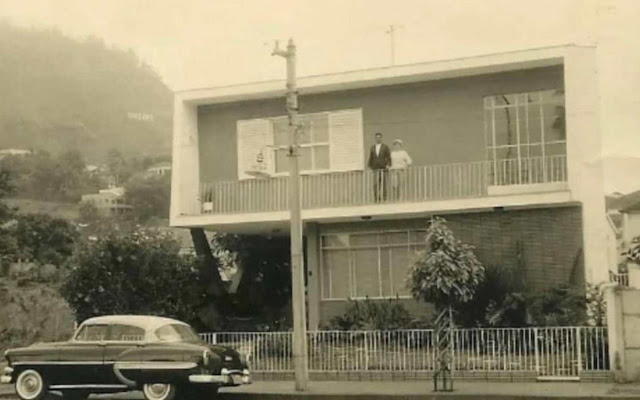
(411,390)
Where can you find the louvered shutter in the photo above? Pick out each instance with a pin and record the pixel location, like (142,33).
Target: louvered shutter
(254,137)
(345,140)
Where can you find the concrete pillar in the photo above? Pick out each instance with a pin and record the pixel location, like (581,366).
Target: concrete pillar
(615,330)
(584,151)
(185,178)
(623,322)
(313,278)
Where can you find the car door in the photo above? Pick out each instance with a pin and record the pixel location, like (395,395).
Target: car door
(80,359)
(121,338)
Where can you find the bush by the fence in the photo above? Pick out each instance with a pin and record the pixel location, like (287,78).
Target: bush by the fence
(381,315)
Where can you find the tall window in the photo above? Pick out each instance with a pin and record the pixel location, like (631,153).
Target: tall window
(313,139)
(371,264)
(525,136)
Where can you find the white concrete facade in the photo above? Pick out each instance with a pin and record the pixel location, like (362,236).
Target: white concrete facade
(585,177)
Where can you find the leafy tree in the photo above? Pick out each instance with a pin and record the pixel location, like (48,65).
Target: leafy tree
(447,272)
(264,291)
(140,272)
(149,197)
(8,243)
(45,239)
(88,212)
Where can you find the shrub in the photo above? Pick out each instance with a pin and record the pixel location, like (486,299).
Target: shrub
(367,315)
(140,272)
(562,305)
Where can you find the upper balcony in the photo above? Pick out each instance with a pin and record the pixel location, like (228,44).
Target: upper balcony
(413,184)
(507,130)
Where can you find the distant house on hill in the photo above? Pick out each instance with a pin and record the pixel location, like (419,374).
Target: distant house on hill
(160,169)
(108,201)
(623,213)
(626,209)
(91,169)
(14,152)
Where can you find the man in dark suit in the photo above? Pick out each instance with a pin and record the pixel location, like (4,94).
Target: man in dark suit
(379,163)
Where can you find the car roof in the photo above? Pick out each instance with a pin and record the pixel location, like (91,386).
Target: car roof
(147,322)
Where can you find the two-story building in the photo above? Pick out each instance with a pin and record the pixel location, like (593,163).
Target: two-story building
(503,146)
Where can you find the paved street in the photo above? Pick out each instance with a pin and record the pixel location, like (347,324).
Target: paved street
(412,390)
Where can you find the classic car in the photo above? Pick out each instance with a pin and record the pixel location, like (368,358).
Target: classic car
(162,357)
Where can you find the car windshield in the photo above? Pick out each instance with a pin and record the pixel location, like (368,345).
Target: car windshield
(176,333)
(92,333)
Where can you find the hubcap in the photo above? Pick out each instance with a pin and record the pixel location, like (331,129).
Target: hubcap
(29,385)
(157,391)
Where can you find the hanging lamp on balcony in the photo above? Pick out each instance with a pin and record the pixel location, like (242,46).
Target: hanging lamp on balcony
(259,168)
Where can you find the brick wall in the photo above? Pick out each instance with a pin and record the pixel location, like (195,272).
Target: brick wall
(550,240)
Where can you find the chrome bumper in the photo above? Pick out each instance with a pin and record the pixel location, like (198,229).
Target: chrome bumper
(6,376)
(226,378)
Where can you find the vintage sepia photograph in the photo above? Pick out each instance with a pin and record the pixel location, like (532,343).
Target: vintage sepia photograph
(322,200)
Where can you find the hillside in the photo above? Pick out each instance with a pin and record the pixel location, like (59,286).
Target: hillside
(59,94)
(68,211)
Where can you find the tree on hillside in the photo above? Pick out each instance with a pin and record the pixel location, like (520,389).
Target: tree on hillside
(140,272)
(447,272)
(149,197)
(8,243)
(45,239)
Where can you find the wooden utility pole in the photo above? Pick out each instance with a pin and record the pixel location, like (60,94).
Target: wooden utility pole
(300,364)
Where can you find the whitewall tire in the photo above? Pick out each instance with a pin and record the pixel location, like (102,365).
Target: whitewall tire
(30,385)
(159,391)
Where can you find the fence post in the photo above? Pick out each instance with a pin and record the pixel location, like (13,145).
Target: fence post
(366,351)
(537,352)
(578,339)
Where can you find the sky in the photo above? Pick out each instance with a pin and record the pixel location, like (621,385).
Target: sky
(204,43)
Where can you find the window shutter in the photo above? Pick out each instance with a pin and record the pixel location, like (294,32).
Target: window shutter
(253,138)
(345,140)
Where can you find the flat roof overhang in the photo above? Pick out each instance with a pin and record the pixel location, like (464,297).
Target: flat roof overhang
(273,223)
(393,75)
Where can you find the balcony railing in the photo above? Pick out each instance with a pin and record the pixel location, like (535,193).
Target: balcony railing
(414,184)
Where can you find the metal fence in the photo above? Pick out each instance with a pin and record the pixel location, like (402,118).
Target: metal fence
(353,188)
(549,352)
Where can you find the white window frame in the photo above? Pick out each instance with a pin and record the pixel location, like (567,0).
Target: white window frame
(490,126)
(327,295)
(310,145)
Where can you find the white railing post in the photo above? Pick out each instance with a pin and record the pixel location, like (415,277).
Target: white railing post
(536,350)
(578,339)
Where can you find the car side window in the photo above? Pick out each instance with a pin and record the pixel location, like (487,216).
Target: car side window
(92,333)
(125,333)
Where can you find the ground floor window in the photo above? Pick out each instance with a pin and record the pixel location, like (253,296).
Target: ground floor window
(368,264)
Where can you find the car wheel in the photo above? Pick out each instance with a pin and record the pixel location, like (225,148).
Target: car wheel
(159,391)
(30,385)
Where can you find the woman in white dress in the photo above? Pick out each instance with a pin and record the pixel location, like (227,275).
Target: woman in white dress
(400,161)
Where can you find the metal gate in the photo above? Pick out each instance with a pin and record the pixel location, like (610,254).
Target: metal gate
(563,353)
